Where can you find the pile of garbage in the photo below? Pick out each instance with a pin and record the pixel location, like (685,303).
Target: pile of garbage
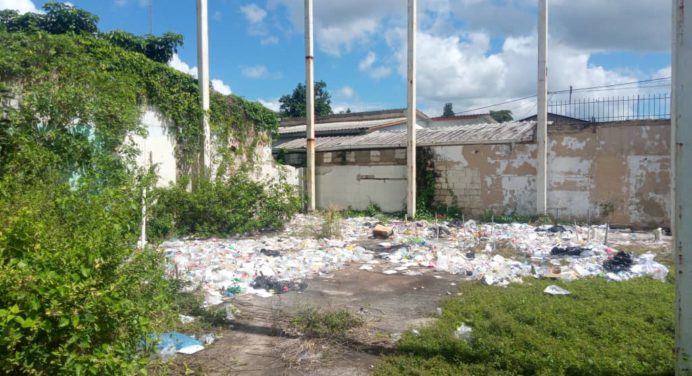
(497,254)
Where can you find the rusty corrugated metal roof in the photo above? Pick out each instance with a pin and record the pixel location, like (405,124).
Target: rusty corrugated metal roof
(504,133)
(355,125)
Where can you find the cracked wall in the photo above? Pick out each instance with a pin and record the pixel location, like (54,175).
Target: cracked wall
(615,172)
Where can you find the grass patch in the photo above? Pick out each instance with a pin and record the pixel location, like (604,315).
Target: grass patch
(325,324)
(191,303)
(603,328)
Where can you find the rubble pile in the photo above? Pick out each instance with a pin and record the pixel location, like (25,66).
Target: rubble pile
(497,254)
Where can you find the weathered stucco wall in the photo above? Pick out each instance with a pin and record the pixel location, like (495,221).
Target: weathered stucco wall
(159,144)
(616,172)
(359,178)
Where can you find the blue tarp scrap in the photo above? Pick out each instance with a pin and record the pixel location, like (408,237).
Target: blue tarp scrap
(182,343)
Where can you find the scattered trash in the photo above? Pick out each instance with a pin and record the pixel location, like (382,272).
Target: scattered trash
(556,290)
(568,251)
(621,262)
(551,229)
(270,252)
(282,262)
(279,287)
(463,332)
(382,232)
(646,266)
(186,319)
(177,342)
(208,339)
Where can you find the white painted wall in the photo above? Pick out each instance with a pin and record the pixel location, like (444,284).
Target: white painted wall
(160,144)
(339,186)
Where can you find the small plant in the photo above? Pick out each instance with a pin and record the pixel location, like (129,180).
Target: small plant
(331,223)
(373,210)
(607,209)
(333,325)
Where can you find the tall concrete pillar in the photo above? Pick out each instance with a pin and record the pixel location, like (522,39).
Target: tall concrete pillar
(681,146)
(411,112)
(542,119)
(310,104)
(203,78)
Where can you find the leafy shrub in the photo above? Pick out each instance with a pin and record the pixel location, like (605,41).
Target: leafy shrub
(61,18)
(602,328)
(76,298)
(224,207)
(327,324)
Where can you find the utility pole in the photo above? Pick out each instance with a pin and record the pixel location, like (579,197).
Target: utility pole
(681,159)
(151,17)
(203,78)
(542,118)
(411,112)
(310,105)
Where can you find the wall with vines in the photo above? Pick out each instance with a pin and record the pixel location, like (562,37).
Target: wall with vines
(70,83)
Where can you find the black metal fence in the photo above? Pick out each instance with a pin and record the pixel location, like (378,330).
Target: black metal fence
(639,107)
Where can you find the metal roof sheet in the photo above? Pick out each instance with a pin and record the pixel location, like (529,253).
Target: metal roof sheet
(512,132)
(355,125)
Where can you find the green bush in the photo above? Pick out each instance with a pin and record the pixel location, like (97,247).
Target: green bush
(326,324)
(74,296)
(221,208)
(603,328)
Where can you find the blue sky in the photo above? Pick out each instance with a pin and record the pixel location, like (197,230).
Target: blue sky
(470,52)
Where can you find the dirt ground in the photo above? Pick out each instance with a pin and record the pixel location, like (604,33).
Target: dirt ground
(257,345)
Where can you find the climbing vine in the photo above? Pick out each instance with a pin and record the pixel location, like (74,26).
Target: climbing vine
(426,177)
(65,82)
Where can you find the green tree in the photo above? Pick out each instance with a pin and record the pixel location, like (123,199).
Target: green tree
(294,105)
(502,116)
(448,110)
(61,18)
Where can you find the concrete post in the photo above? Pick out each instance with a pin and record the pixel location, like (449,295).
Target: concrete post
(310,105)
(203,78)
(411,112)
(542,118)
(682,183)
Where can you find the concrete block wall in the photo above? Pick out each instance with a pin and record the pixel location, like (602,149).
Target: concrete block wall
(615,172)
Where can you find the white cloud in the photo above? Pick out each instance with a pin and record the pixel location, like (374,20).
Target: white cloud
(663,73)
(253,13)
(122,3)
(179,65)
(272,104)
(256,72)
(339,25)
(368,65)
(461,69)
(22,6)
(346,92)
(260,72)
(221,87)
(256,17)
(633,25)
(269,40)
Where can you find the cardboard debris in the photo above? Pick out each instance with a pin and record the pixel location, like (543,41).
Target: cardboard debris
(382,232)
